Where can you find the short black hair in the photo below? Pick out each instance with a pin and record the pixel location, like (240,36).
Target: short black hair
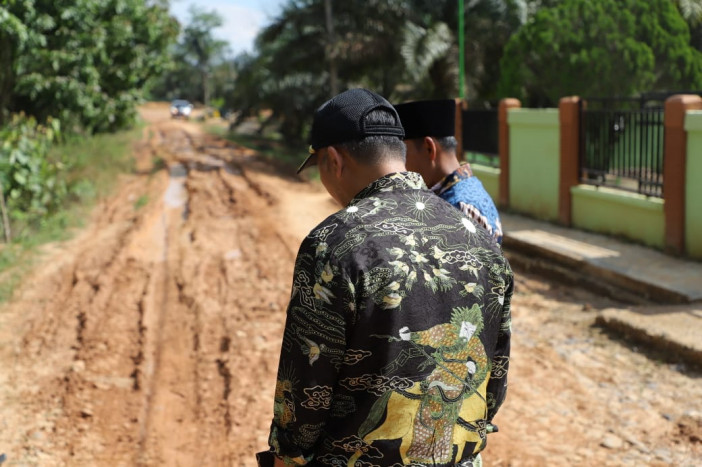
(373,150)
(448,143)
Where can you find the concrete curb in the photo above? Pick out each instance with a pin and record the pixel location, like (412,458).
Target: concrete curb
(626,272)
(675,331)
(577,271)
(609,263)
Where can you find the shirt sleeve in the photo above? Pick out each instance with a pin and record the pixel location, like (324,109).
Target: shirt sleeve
(497,385)
(314,343)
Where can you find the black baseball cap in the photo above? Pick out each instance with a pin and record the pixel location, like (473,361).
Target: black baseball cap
(435,118)
(341,119)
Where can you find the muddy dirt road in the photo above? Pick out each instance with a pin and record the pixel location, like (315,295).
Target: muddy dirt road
(152,337)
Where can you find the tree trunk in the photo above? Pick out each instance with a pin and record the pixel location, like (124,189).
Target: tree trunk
(5,219)
(7,70)
(205,88)
(331,49)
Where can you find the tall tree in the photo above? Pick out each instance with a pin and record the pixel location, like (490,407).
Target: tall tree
(488,25)
(600,48)
(294,54)
(15,39)
(199,61)
(201,47)
(691,10)
(331,53)
(403,49)
(429,55)
(84,61)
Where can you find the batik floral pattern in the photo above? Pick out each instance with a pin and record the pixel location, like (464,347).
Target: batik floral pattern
(464,191)
(398,329)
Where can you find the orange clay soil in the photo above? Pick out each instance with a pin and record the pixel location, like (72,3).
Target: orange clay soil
(152,337)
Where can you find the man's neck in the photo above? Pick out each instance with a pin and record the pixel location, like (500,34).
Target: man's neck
(446,164)
(365,175)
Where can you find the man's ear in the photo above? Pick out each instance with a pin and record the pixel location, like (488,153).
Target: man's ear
(335,161)
(430,147)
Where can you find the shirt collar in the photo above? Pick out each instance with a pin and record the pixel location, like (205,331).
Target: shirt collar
(461,173)
(392,182)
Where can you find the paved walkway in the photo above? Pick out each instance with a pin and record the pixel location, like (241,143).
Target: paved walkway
(631,272)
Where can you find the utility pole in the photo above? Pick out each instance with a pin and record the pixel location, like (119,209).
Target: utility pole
(331,49)
(461,53)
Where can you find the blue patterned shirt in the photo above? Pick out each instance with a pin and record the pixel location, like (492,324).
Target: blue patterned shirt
(462,189)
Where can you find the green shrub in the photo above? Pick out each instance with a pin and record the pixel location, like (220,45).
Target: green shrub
(32,182)
(86,169)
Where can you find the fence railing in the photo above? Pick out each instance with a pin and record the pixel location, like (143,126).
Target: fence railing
(480,136)
(621,144)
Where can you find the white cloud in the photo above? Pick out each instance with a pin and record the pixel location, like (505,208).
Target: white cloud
(241,24)
(242,19)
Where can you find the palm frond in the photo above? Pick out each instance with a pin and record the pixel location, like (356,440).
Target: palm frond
(691,11)
(422,47)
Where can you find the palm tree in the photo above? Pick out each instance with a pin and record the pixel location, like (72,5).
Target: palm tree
(403,49)
(691,10)
(429,55)
(200,45)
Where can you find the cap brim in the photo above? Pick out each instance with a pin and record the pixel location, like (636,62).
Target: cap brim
(309,162)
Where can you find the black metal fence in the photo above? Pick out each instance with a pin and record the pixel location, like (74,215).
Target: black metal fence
(621,143)
(480,136)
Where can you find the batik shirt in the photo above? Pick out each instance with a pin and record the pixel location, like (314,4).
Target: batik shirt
(397,338)
(465,191)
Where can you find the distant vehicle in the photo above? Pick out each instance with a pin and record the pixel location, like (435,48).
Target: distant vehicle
(181,108)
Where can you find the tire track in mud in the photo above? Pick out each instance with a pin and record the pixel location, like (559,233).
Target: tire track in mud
(152,338)
(198,382)
(162,303)
(149,317)
(223,289)
(91,316)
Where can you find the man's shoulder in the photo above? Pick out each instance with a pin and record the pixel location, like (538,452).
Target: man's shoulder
(468,185)
(328,227)
(395,213)
(470,191)
(334,228)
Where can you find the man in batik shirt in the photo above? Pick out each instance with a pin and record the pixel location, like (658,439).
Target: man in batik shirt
(431,151)
(397,338)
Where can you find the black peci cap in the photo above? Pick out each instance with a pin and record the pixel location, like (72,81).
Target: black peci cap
(435,118)
(341,119)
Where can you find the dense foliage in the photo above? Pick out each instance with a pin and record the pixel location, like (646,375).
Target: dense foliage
(31,182)
(537,50)
(84,62)
(600,48)
(81,63)
(403,49)
(200,66)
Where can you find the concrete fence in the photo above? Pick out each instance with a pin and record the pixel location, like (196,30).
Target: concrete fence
(539,176)
(693,184)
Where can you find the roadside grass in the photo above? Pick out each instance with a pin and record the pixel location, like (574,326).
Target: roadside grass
(96,162)
(142,201)
(270,144)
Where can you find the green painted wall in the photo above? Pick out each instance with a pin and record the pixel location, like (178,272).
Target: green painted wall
(617,212)
(490,178)
(534,163)
(693,185)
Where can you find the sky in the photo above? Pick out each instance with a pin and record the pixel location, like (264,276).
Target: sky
(242,18)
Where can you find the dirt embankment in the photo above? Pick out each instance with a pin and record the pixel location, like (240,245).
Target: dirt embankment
(152,338)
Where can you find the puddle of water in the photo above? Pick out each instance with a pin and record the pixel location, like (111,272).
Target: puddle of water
(232,170)
(176,195)
(213,161)
(232,254)
(207,164)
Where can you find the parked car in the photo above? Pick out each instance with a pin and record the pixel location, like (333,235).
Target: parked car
(181,108)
